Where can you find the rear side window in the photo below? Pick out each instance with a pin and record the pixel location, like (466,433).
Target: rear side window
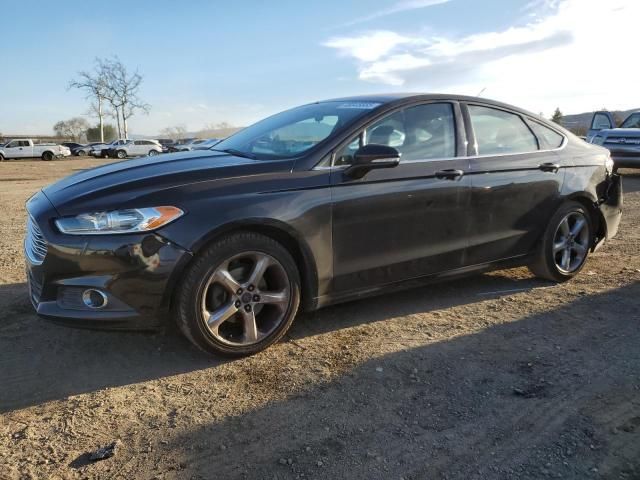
(499,132)
(548,138)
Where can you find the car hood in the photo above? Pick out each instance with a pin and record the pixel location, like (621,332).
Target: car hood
(620,132)
(117,185)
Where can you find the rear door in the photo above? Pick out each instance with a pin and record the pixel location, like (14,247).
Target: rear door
(404,222)
(516,179)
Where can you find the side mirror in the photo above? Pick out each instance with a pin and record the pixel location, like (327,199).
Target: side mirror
(372,157)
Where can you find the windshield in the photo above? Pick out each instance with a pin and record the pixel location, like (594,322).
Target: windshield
(633,121)
(293,132)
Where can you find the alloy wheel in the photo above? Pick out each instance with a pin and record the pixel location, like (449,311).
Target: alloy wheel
(571,242)
(246,298)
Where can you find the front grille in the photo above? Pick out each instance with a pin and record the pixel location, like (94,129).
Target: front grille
(623,140)
(35,245)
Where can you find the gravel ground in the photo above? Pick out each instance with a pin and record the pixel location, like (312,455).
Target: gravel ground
(499,376)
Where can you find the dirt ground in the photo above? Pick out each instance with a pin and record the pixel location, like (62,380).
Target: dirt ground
(499,376)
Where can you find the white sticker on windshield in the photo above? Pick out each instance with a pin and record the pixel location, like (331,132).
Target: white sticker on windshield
(359,105)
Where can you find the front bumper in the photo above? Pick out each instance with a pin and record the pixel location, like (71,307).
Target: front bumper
(136,272)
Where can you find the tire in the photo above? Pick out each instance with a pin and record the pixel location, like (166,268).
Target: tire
(81,153)
(565,246)
(1,158)
(244,318)
(121,154)
(152,153)
(47,156)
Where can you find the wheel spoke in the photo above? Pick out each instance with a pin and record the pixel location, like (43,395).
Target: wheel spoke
(566,259)
(580,249)
(262,263)
(274,297)
(561,245)
(578,226)
(564,227)
(220,315)
(250,326)
(224,278)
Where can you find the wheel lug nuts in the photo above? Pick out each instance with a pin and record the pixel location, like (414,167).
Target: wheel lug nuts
(256,298)
(237,303)
(239,291)
(247,308)
(251,288)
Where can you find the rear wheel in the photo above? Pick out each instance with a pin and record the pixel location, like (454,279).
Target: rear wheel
(121,154)
(81,153)
(565,245)
(47,156)
(240,295)
(152,153)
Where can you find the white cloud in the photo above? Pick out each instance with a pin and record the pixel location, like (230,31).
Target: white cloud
(570,53)
(396,8)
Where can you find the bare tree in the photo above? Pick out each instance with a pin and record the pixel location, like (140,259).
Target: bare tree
(174,133)
(95,85)
(122,92)
(75,128)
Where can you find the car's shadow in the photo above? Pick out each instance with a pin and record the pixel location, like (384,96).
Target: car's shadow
(41,361)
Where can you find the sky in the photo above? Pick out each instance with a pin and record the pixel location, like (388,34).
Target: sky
(206,62)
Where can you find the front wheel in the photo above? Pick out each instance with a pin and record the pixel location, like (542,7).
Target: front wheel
(81,153)
(121,154)
(566,243)
(240,295)
(153,152)
(1,158)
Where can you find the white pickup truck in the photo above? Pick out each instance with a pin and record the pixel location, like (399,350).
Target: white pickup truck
(27,149)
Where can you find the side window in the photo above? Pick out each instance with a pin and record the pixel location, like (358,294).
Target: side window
(419,133)
(13,144)
(345,156)
(138,142)
(430,132)
(548,138)
(499,132)
(24,143)
(632,121)
(600,122)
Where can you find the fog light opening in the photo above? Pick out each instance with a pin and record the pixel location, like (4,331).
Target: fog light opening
(93,298)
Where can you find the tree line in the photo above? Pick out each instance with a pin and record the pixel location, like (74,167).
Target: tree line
(113,91)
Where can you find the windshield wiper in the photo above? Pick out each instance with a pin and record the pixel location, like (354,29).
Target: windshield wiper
(237,153)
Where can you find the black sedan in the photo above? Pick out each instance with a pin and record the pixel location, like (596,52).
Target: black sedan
(320,204)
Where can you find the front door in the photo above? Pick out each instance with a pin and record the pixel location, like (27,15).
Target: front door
(404,222)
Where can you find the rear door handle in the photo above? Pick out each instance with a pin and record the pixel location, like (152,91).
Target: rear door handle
(549,167)
(450,174)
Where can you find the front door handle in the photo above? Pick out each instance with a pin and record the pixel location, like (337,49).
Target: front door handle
(549,167)
(449,174)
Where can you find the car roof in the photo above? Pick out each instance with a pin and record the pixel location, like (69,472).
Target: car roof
(389,98)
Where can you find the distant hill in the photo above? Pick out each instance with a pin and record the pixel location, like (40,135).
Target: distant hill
(582,121)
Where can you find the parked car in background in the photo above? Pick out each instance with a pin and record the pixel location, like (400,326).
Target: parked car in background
(72,145)
(324,203)
(84,150)
(165,143)
(135,148)
(622,142)
(179,143)
(26,148)
(196,144)
(100,150)
(206,144)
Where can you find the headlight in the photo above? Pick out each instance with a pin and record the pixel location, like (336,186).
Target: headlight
(119,221)
(608,165)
